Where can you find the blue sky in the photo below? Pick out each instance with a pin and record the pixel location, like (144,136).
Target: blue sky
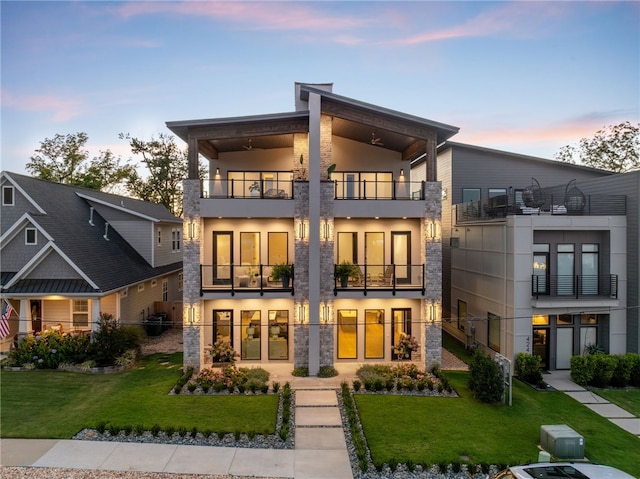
(526,77)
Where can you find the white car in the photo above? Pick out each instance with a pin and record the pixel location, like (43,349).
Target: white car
(562,470)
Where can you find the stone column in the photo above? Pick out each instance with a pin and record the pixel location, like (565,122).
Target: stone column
(192,318)
(432,311)
(301,275)
(327,245)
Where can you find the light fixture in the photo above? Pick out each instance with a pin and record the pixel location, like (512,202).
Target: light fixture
(217,171)
(326,229)
(302,313)
(432,312)
(444,193)
(301,230)
(192,317)
(192,228)
(431,230)
(325,312)
(401,172)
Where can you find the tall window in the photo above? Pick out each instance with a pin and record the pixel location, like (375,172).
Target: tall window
(462,315)
(566,269)
(30,236)
(176,235)
(250,251)
(348,247)
(541,268)
(159,237)
(277,247)
(278,334)
(80,313)
(7,196)
(589,267)
(250,331)
(374,333)
(494,331)
(347,334)
(165,289)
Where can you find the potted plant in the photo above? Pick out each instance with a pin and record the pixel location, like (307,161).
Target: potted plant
(282,271)
(344,271)
(254,188)
(222,353)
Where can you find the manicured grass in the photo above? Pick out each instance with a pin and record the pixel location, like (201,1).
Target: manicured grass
(627,399)
(456,347)
(54,404)
(436,430)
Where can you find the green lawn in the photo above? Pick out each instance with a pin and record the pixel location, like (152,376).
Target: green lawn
(54,404)
(435,430)
(627,399)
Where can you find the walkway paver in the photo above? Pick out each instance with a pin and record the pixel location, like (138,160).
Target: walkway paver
(316,438)
(609,410)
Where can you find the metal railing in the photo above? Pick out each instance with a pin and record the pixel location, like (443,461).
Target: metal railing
(379,190)
(252,189)
(503,206)
(244,278)
(578,286)
(394,277)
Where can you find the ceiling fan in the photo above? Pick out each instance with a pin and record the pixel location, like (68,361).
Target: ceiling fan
(248,147)
(376,141)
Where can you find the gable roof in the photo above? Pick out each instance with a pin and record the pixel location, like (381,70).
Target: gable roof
(106,265)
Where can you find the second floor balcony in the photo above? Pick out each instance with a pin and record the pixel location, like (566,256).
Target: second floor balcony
(246,278)
(578,286)
(379,277)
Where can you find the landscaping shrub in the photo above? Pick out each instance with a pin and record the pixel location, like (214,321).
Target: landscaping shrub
(603,367)
(300,372)
(49,350)
(634,379)
(527,368)
(622,372)
(485,378)
(581,371)
(112,340)
(327,372)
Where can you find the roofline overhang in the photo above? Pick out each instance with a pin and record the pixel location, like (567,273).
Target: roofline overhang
(126,210)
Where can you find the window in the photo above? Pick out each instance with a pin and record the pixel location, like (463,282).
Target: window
(7,196)
(159,237)
(140,287)
(250,331)
(80,313)
(589,279)
(494,331)
(347,247)
(180,280)
(268,184)
(540,269)
(363,185)
(30,236)
(462,315)
(277,248)
(470,194)
(347,334)
(165,289)
(566,269)
(175,240)
(564,320)
(250,252)
(278,334)
(374,333)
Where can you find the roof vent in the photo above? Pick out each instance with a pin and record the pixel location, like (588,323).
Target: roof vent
(106,230)
(91,216)
(122,203)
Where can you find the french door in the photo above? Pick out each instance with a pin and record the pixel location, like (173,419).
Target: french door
(223,325)
(401,255)
(400,324)
(222,256)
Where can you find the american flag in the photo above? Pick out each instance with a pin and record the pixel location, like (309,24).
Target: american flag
(4,322)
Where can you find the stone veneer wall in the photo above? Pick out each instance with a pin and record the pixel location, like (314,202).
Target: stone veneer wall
(301,275)
(432,344)
(192,333)
(327,196)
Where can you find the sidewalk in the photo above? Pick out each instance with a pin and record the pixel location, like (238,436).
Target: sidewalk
(561,381)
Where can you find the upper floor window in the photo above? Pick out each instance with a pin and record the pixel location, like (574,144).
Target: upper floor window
(8,196)
(175,239)
(159,237)
(30,236)
(470,194)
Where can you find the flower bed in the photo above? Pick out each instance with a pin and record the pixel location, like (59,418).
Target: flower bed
(228,380)
(405,378)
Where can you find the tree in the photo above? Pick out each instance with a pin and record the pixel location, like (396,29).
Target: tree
(167,165)
(63,159)
(615,148)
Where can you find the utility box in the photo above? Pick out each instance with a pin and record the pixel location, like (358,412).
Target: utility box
(562,442)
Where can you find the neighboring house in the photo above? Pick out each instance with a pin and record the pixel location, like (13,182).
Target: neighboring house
(275,197)
(70,253)
(550,277)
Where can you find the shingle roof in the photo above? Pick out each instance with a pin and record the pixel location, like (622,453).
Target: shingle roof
(111,264)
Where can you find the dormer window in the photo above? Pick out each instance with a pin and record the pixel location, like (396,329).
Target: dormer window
(30,236)
(159,237)
(8,196)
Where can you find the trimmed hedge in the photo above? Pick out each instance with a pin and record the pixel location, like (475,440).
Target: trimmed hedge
(604,370)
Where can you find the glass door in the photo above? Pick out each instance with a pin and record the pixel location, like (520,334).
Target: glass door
(541,345)
(223,326)
(541,268)
(401,255)
(566,269)
(400,324)
(374,257)
(589,273)
(564,348)
(374,333)
(347,334)
(250,331)
(222,256)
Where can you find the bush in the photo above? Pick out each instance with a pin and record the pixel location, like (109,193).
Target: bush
(112,340)
(49,350)
(603,367)
(622,373)
(581,371)
(327,372)
(485,378)
(634,379)
(527,368)
(301,372)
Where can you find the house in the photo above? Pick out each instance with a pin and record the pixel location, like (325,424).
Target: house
(538,256)
(313,189)
(70,253)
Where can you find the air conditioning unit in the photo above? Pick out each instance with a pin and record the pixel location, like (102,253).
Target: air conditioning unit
(562,442)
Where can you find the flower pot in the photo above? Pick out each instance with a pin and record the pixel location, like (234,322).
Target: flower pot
(344,282)
(285,281)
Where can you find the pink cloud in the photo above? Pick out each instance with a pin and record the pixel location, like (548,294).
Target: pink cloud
(60,108)
(288,16)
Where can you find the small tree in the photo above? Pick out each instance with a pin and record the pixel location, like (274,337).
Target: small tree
(615,148)
(485,378)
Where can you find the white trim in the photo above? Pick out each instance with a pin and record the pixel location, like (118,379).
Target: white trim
(154,283)
(140,287)
(26,236)
(118,208)
(39,257)
(21,223)
(24,193)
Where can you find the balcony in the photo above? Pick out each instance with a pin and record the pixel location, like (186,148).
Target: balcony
(271,189)
(243,279)
(578,286)
(505,205)
(382,277)
(379,190)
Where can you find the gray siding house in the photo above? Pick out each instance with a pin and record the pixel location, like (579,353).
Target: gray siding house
(68,254)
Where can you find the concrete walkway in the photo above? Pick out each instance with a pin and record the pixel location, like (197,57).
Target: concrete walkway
(561,380)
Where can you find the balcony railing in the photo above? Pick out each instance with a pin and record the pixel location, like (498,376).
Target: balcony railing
(578,286)
(502,206)
(251,189)
(243,278)
(377,277)
(379,190)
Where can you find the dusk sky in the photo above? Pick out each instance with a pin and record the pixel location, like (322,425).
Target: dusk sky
(526,77)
